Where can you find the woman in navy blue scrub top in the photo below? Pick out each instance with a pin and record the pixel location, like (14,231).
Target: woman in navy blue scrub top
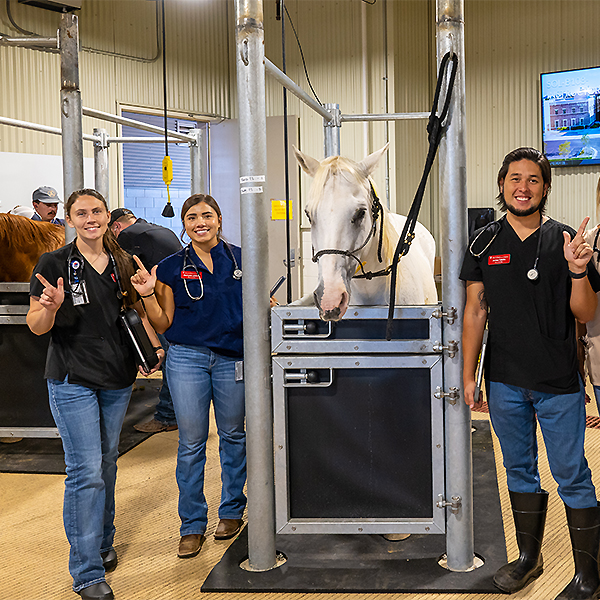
(75,294)
(194,297)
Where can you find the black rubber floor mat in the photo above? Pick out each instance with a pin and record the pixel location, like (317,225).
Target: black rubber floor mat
(369,563)
(45,455)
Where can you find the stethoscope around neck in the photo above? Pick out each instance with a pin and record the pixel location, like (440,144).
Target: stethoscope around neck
(189,263)
(533,273)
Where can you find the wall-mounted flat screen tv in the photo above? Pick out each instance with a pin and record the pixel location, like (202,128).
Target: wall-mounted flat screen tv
(571,117)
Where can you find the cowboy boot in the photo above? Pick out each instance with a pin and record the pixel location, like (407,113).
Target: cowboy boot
(529,513)
(584,529)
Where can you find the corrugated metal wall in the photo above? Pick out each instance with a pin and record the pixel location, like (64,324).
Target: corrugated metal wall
(508,43)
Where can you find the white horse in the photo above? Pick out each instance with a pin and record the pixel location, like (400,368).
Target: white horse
(342,210)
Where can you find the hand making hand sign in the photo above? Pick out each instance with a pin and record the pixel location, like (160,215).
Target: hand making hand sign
(142,281)
(577,251)
(52,297)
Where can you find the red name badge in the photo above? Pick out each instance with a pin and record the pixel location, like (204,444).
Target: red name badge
(499,259)
(190,275)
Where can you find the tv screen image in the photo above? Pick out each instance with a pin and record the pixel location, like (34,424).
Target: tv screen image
(571,117)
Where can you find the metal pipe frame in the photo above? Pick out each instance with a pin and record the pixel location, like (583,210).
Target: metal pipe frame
(28,42)
(101,179)
(38,127)
(384,117)
(453,199)
(331,131)
(99,114)
(293,87)
(71,117)
(250,69)
(141,140)
(197,185)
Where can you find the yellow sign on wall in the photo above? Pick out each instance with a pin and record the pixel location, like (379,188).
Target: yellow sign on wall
(278,210)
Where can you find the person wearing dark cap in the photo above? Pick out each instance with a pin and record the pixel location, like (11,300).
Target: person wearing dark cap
(150,243)
(45,202)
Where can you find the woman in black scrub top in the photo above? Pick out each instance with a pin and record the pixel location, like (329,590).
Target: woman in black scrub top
(90,369)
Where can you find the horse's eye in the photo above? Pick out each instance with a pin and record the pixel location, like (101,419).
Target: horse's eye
(359,215)
(307,216)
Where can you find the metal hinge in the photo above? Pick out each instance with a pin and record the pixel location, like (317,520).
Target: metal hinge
(450,315)
(453,395)
(454,505)
(452,348)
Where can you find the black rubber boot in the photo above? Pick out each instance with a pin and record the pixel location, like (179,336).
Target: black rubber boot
(529,513)
(584,529)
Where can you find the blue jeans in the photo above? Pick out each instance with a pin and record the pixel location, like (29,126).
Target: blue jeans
(164,412)
(89,422)
(196,376)
(513,412)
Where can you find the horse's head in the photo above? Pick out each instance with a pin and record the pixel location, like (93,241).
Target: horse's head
(340,210)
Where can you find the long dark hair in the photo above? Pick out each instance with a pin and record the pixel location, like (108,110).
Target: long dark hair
(197,199)
(535,156)
(122,258)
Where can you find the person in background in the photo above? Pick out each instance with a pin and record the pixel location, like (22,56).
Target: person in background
(150,243)
(195,298)
(588,334)
(45,202)
(76,294)
(528,277)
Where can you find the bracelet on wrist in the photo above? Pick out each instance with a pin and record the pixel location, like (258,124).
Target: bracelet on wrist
(578,275)
(148,296)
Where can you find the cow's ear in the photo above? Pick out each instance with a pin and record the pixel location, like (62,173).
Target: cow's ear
(370,162)
(309,164)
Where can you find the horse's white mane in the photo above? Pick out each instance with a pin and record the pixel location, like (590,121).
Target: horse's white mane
(344,167)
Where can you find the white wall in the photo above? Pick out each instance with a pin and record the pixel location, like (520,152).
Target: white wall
(22,173)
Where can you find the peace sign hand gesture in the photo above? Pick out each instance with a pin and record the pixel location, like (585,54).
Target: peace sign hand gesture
(142,281)
(52,297)
(577,251)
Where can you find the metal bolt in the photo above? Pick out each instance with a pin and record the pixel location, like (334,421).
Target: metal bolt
(356,313)
(288,347)
(424,361)
(356,347)
(280,447)
(288,314)
(289,364)
(438,445)
(293,528)
(357,363)
(360,528)
(426,528)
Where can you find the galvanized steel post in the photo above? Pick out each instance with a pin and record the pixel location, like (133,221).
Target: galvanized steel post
(101,181)
(196,162)
(453,200)
(70,107)
(255,251)
(332,131)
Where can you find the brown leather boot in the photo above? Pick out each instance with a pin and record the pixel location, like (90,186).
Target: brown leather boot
(190,545)
(227,528)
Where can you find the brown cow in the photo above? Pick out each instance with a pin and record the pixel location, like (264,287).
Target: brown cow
(22,242)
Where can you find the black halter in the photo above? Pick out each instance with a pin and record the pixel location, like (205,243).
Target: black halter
(376,210)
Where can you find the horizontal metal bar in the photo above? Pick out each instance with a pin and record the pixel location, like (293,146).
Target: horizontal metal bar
(29,432)
(141,140)
(384,117)
(14,286)
(288,83)
(38,42)
(98,114)
(42,128)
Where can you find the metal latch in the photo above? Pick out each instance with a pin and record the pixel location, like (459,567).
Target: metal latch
(452,348)
(454,505)
(453,395)
(450,315)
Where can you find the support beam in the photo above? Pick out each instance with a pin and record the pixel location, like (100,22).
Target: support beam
(332,131)
(255,253)
(197,166)
(70,102)
(101,179)
(453,200)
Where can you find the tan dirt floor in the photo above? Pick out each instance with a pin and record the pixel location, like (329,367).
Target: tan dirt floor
(34,549)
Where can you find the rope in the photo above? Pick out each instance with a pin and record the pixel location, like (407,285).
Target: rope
(435,129)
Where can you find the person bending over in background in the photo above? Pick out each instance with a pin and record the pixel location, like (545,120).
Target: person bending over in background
(150,243)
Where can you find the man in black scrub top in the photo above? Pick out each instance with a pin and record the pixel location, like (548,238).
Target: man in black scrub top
(528,276)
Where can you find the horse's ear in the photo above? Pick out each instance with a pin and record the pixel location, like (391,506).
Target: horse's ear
(369,163)
(309,164)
